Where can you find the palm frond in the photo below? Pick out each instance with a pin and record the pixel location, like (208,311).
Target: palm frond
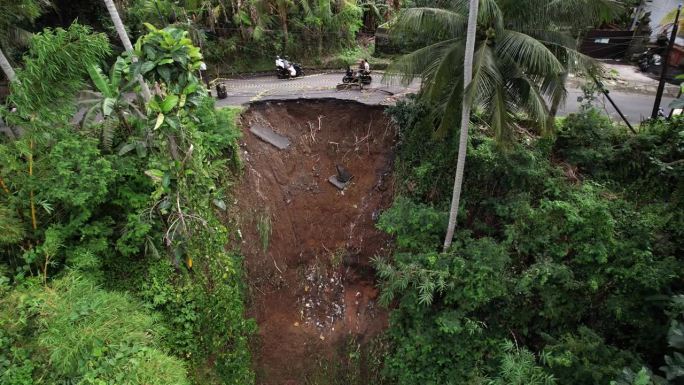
(586,11)
(489,12)
(486,76)
(450,109)
(573,60)
(450,66)
(529,53)
(430,23)
(418,63)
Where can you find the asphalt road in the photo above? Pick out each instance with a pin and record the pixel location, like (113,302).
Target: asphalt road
(635,105)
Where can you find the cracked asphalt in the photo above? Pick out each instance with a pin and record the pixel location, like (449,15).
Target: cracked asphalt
(636,104)
(243,91)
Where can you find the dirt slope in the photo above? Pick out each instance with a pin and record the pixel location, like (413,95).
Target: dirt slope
(307,244)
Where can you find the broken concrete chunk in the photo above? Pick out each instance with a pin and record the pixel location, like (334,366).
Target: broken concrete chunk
(343,175)
(335,182)
(267,135)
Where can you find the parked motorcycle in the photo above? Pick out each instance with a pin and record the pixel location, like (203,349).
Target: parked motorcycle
(287,70)
(649,59)
(653,56)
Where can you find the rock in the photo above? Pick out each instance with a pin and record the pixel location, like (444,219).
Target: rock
(335,182)
(343,175)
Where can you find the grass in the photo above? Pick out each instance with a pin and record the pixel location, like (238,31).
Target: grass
(353,364)
(264,229)
(337,257)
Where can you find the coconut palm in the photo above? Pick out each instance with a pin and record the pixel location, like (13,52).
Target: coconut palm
(465,121)
(523,50)
(561,22)
(121,31)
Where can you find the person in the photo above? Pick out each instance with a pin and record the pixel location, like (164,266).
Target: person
(292,69)
(349,71)
(366,66)
(279,62)
(203,74)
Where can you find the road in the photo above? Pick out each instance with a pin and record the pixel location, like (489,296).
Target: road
(636,106)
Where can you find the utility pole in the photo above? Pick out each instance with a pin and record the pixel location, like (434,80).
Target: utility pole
(637,14)
(605,92)
(663,73)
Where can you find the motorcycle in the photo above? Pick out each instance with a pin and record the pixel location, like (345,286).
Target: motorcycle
(362,77)
(648,59)
(288,70)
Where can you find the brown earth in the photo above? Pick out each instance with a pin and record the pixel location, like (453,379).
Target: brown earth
(313,288)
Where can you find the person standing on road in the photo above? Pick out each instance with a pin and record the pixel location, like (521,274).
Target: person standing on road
(203,74)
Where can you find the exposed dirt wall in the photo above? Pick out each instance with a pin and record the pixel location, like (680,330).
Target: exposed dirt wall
(307,245)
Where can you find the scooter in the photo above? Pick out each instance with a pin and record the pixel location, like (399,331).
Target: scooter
(288,70)
(649,59)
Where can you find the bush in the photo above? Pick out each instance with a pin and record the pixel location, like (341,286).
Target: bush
(574,269)
(75,332)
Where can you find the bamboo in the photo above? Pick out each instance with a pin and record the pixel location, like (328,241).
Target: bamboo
(34,223)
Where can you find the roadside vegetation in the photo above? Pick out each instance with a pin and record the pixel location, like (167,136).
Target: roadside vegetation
(566,267)
(119,263)
(114,261)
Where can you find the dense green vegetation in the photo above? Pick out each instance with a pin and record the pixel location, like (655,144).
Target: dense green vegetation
(116,260)
(565,270)
(237,35)
(113,259)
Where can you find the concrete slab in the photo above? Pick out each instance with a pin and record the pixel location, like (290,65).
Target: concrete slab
(335,182)
(267,135)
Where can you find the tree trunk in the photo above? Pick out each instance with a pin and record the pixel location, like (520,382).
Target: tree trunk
(465,121)
(7,67)
(283,20)
(555,104)
(121,30)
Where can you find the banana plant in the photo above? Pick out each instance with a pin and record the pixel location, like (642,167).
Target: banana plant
(111,98)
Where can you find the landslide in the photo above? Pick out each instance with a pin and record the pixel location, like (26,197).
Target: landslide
(307,245)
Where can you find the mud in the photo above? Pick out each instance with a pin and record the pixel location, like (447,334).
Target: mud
(308,245)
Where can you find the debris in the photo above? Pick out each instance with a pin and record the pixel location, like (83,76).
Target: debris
(343,175)
(322,302)
(267,135)
(335,182)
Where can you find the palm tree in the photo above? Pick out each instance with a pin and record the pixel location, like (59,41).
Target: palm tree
(520,61)
(121,30)
(561,22)
(465,121)
(512,72)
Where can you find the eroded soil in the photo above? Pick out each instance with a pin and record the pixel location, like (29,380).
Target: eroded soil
(307,245)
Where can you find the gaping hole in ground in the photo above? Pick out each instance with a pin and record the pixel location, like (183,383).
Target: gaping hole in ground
(308,244)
